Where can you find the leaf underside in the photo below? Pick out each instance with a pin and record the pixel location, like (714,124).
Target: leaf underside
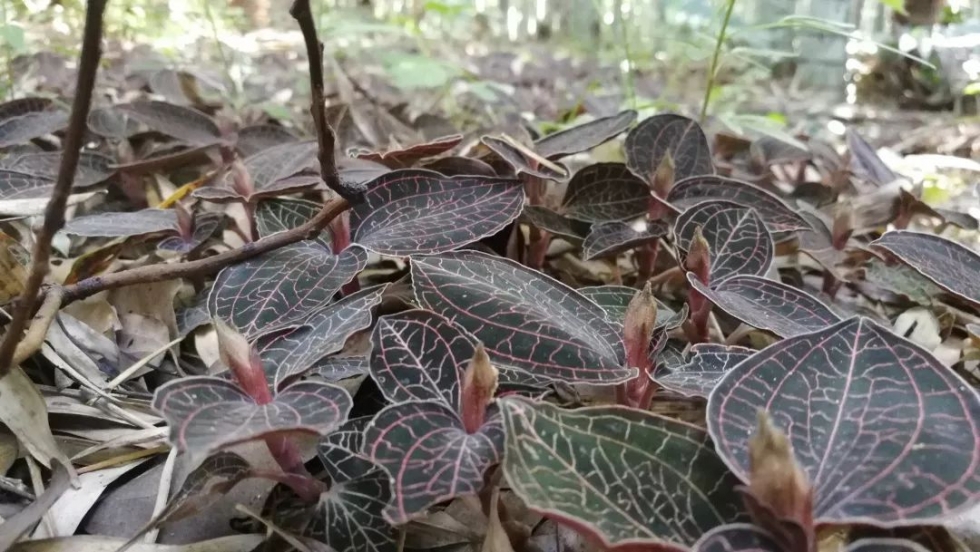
(950,265)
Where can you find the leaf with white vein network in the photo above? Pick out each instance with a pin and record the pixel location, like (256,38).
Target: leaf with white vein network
(700,372)
(124,225)
(774,212)
(524,318)
(293,352)
(183,123)
(429,456)
(206,414)
(27,195)
(952,266)
(615,299)
(885,410)
(668,134)
(605,192)
(585,136)
(615,237)
(280,214)
(92,168)
(620,475)
(282,287)
(415,211)
(767,304)
(738,242)
(745,537)
(24,119)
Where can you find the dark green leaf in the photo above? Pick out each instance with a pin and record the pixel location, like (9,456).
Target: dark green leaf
(654,138)
(605,192)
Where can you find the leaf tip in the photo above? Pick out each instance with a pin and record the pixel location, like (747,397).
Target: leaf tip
(479,386)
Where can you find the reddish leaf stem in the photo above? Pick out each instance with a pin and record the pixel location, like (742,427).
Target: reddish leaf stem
(54,212)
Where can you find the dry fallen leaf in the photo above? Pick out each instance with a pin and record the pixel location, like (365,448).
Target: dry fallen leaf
(23,409)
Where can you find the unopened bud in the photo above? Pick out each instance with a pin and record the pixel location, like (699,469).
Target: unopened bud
(244,362)
(479,386)
(641,317)
(776,480)
(698,258)
(843,226)
(241,181)
(663,178)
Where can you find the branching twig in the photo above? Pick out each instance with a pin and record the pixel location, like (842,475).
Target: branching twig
(34,337)
(54,213)
(326,142)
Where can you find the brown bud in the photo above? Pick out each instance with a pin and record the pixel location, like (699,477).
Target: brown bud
(843,226)
(641,317)
(776,480)
(241,181)
(185,220)
(479,385)
(698,258)
(243,361)
(663,178)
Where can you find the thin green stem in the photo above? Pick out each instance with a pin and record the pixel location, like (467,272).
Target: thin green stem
(714,61)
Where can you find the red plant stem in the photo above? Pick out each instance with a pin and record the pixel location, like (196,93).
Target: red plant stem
(622,394)
(537,250)
(306,487)
(696,326)
(646,260)
(253,226)
(287,455)
(54,212)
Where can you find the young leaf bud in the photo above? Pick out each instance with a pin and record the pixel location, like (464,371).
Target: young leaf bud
(776,480)
(243,361)
(479,385)
(641,316)
(698,259)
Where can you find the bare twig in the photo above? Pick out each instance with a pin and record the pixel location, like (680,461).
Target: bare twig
(54,213)
(326,141)
(34,337)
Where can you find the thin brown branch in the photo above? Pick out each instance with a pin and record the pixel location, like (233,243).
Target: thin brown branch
(326,141)
(34,337)
(54,213)
(208,265)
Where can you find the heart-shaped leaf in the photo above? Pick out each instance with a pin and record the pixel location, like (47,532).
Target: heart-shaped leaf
(555,223)
(406,157)
(615,299)
(612,238)
(699,189)
(124,225)
(282,287)
(92,167)
(205,225)
(295,351)
(524,318)
(654,138)
(359,492)
(207,413)
(767,304)
(183,123)
(883,411)
(428,455)
(253,139)
(705,365)
(605,192)
(738,242)
(281,214)
(623,476)
(584,137)
(24,119)
(950,265)
(524,160)
(414,211)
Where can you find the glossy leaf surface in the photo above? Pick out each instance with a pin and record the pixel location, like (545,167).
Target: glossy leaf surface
(861,407)
(624,476)
(612,238)
(428,455)
(950,265)
(654,138)
(293,352)
(738,242)
(584,137)
(699,189)
(414,211)
(605,192)
(524,318)
(206,413)
(705,365)
(768,304)
(282,287)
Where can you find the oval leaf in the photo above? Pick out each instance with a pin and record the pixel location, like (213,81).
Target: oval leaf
(183,123)
(623,476)
(428,455)
(281,287)
(605,192)
(406,157)
(699,189)
(523,159)
(271,166)
(206,414)
(704,367)
(584,137)
(293,352)
(253,139)
(524,318)
(651,140)
(612,238)
(414,211)
(24,119)
(868,414)
(123,225)
(950,265)
(768,305)
(555,223)
(92,167)
(738,242)
(280,214)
